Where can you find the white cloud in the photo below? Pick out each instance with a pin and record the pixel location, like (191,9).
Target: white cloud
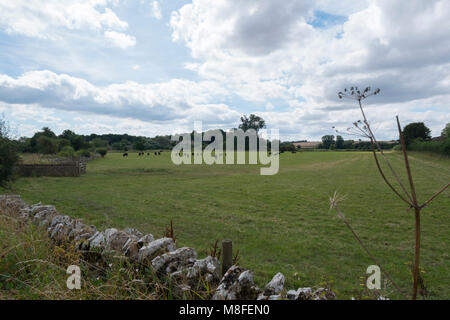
(266,50)
(156,10)
(176,100)
(269,106)
(109,19)
(50,18)
(120,39)
(341,7)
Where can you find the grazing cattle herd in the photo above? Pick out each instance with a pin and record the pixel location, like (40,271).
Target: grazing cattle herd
(157,153)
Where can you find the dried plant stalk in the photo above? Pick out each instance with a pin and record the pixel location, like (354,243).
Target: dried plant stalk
(411,196)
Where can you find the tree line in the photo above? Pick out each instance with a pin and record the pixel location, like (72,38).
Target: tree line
(418,138)
(416,134)
(68,143)
(338,143)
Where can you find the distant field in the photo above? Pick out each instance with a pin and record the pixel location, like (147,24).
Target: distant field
(278,223)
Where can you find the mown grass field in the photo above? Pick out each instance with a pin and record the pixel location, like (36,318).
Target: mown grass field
(278,223)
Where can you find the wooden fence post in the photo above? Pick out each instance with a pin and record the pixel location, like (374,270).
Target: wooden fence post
(227,255)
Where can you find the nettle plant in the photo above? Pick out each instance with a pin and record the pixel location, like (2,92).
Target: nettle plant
(362,128)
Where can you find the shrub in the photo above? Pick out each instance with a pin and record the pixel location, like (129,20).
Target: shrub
(62,143)
(446,131)
(416,130)
(8,158)
(83,153)
(8,154)
(47,145)
(287,146)
(440,146)
(67,152)
(102,151)
(78,142)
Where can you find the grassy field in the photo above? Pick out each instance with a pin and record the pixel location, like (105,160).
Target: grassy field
(278,223)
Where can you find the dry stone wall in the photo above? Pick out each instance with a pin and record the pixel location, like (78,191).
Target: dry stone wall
(73,169)
(166,260)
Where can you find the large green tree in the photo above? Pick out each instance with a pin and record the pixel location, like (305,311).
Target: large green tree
(252,122)
(339,142)
(67,134)
(78,142)
(327,141)
(416,130)
(47,132)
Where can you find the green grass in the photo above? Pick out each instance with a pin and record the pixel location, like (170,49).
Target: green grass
(278,223)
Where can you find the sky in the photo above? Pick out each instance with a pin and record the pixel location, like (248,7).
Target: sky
(149,68)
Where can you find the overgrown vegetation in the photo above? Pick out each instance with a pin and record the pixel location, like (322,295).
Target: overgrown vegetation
(418,138)
(8,154)
(416,130)
(329,142)
(33,267)
(437,146)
